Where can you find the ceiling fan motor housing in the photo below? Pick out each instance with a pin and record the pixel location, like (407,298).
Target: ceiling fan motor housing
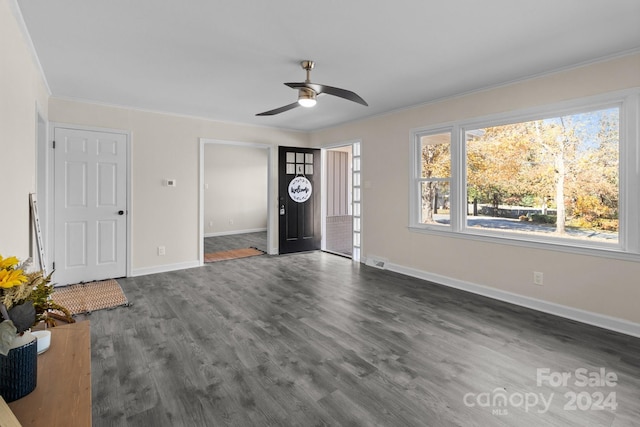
(306,97)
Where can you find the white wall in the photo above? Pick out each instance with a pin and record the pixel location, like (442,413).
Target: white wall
(604,286)
(22,92)
(235,193)
(167,146)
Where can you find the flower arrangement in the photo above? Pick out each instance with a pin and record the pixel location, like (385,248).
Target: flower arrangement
(25,299)
(10,275)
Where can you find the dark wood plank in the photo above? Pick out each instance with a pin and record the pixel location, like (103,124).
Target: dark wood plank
(314,339)
(256,240)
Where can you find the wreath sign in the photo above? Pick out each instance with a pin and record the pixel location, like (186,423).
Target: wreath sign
(300,189)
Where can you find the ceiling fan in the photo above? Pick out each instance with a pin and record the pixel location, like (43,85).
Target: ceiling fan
(307,93)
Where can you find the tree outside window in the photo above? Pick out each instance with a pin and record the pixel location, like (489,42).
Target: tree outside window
(558,175)
(435,169)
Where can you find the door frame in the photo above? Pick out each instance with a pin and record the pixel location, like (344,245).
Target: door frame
(272,248)
(44,177)
(357,246)
(50,232)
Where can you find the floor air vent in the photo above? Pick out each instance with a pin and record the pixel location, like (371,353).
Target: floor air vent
(376,262)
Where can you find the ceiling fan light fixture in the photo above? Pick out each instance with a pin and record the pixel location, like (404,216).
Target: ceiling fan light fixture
(308,91)
(306,97)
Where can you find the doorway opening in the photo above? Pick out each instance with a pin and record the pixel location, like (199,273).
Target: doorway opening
(341,204)
(235,185)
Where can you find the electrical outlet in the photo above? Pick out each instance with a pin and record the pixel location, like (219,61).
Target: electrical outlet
(161,251)
(538,278)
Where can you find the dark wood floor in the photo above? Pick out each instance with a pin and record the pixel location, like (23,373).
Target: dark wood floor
(314,339)
(256,240)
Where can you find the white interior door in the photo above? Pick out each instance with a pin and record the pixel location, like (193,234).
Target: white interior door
(90,205)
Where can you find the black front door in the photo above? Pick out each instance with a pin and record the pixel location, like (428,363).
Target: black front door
(299,199)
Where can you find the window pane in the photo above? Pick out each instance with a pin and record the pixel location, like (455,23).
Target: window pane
(557,176)
(435,157)
(356,164)
(435,202)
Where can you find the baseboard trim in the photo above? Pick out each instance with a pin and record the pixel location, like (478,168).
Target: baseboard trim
(164,268)
(230,233)
(583,316)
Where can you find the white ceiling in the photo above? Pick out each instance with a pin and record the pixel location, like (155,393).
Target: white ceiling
(228,60)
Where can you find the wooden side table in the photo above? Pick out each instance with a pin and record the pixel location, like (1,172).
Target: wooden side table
(63,391)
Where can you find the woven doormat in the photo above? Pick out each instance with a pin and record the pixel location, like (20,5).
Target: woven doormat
(232,254)
(88,297)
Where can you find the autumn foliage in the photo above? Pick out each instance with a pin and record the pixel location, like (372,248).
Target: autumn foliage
(568,165)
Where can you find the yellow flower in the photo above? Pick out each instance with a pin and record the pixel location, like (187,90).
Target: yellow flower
(7,263)
(11,278)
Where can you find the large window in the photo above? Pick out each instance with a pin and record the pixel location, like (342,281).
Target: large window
(564,175)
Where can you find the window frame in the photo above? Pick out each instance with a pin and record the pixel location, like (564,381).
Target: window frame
(628,245)
(417,179)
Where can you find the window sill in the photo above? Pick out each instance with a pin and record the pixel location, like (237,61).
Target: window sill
(603,250)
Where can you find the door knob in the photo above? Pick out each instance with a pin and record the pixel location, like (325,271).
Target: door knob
(120,212)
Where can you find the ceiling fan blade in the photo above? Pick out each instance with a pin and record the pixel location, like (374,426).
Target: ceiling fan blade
(279,110)
(330,90)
